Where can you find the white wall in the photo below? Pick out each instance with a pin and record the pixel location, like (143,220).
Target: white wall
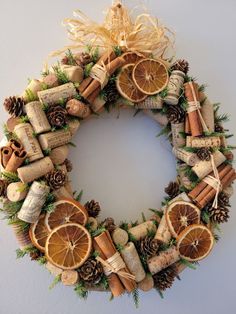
(119,161)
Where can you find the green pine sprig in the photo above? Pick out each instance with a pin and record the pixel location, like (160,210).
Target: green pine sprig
(20,253)
(188,264)
(135,295)
(30,96)
(10,176)
(70,57)
(78,196)
(56,280)
(117,50)
(61,75)
(156,212)
(81,290)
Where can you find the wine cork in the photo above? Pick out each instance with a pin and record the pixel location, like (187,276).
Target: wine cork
(12,122)
(78,109)
(158,117)
(22,236)
(163,234)
(16,191)
(33,87)
(146,284)
(54,270)
(140,231)
(203,168)
(35,170)
(62,193)
(74,126)
(177,130)
(37,117)
(174,87)
(198,142)
(69,188)
(69,277)
(163,260)
(51,80)
(74,73)
(189,158)
(34,202)
(120,237)
(207,112)
(6,153)
(132,261)
(54,139)
(59,154)
(98,104)
(56,94)
(31,145)
(184,179)
(16,160)
(151,102)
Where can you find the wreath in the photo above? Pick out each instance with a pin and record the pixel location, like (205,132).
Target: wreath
(127,61)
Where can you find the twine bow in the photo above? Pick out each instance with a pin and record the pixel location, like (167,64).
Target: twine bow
(214,182)
(99,73)
(115,264)
(195,106)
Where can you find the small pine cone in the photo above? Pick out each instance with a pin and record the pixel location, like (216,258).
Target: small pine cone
(223,200)
(111,92)
(148,246)
(165,278)
(68,164)
(56,179)
(175,114)
(35,255)
(91,271)
(204,153)
(219,214)
(109,224)
(172,189)
(83,58)
(14,106)
(65,60)
(181,65)
(57,116)
(93,208)
(219,128)
(3,188)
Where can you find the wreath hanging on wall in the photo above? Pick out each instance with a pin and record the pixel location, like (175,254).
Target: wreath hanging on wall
(124,62)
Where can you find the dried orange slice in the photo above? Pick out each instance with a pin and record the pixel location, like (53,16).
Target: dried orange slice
(126,86)
(66,211)
(38,233)
(68,246)
(132,57)
(195,242)
(150,76)
(180,215)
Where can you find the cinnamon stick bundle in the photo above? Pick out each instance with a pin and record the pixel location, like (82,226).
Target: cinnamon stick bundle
(6,153)
(16,160)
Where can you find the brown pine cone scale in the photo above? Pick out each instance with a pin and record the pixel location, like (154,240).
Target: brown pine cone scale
(181,65)
(175,114)
(172,190)
(57,116)
(204,153)
(148,246)
(91,271)
(56,179)
(165,278)
(14,106)
(93,208)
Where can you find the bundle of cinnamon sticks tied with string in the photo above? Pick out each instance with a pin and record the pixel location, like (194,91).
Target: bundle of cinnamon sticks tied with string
(12,156)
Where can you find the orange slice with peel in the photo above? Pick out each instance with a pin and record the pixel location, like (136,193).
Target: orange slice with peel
(66,211)
(68,246)
(38,233)
(126,86)
(180,214)
(150,76)
(132,57)
(195,242)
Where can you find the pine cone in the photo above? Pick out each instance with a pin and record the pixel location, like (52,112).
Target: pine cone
(165,278)
(91,271)
(219,214)
(219,128)
(35,255)
(65,60)
(109,224)
(3,188)
(56,179)
(148,246)
(223,200)
(83,59)
(14,106)
(111,92)
(175,114)
(93,208)
(57,116)
(181,65)
(172,189)
(204,153)
(68,164)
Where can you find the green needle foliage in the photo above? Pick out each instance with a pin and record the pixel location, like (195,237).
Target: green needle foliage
(10,176)
(20,253)
(56,280)
(61,75)
(71,59)
(135,295)
(187,263)
(81,290)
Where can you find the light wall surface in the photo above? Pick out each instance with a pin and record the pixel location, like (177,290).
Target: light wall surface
(120,162)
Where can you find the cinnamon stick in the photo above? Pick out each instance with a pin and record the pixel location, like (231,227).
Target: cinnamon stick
(15,145)
(6,153)
(16,160)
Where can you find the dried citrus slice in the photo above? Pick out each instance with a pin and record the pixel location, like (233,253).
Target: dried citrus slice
(132,57)
(126,86)
(68,246)
(38,233)
(180,215)
(195,242)
(66,211)
(150,76)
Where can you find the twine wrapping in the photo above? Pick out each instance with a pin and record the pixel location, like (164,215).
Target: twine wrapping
(214,182)
(115,264)
(99,73)
(195,106)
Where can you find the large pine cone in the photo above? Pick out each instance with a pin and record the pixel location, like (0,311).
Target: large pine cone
(57,116)
(109,224)
(219,214)
(148,246)
(175,114)
(111,94)
(172,190)
(14,106)
(181,65)
(223,200)
(68,164)
(3,188)
(93,208)
(91,271)
(165,278)
(204,153)
(56,179)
